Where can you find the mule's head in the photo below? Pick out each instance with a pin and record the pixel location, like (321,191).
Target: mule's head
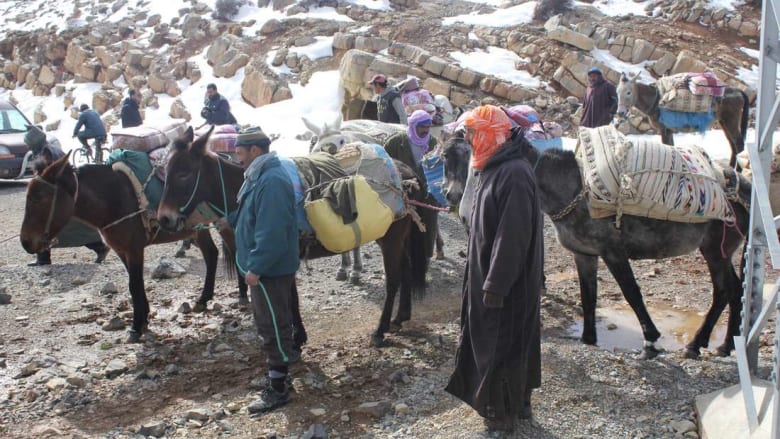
(51,198)
(456,155)
(328,137)
(183,188)
(626,94)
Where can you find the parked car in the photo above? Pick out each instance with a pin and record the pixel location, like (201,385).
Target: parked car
(15,156)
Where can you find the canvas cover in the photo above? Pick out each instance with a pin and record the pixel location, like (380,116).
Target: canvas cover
(650,179)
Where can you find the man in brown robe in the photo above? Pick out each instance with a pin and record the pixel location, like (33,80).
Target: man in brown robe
(498,361)
(601,101)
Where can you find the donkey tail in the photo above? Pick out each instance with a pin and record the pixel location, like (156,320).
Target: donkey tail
(743,126)
(418,259)
(229,253)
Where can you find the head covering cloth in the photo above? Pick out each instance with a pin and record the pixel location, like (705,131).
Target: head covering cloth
(491,129)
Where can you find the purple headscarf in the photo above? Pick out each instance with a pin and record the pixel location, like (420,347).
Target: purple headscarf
(419,144)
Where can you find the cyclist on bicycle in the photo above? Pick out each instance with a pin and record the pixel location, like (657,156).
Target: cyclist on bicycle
(93,127)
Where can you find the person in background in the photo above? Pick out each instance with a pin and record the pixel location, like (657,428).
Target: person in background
(601,101)
(415,98)
(389,109)
(498,361)
(409,147)
(93,127)
(267,256)
(130,113)
(75,233)
(216,109)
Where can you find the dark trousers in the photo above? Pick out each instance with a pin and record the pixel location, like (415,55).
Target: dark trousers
(273,317)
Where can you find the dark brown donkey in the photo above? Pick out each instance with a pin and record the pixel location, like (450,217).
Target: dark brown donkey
(106,200)
(196,176)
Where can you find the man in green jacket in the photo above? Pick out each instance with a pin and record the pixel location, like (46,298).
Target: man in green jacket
(267,255)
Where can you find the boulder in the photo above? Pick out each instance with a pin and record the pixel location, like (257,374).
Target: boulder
(76,55)
(435,65)
(256,89)
(569,82)
(687,62)
(452,72)
(179,110)
(218,48)
(437,86)
(229,63)
(641,51)
(469,78)
(571,37)
(664,64)
(47,77)
(344,41)
(352,71)
(134,57)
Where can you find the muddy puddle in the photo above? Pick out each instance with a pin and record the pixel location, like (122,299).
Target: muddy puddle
(618,328)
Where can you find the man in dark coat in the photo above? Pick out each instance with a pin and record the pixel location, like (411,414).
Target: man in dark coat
(498,361)
(216,109)
(601,101)
(131,115)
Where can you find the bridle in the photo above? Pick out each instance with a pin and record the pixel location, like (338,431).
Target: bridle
(56,188)
(222,213)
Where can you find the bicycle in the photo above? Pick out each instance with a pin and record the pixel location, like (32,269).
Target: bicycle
(83,155)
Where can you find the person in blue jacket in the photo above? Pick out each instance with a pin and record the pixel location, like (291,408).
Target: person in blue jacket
(93,126)
(267,256)
(216,109)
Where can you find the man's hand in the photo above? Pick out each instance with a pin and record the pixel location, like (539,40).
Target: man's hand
(490,300)
(251,279)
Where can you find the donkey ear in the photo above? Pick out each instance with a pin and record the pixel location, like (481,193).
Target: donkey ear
(311,126)
(623,77)
(57,167)
(199,146)
(337,123)
(189,135)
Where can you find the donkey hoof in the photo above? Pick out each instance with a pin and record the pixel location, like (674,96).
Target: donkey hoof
(649,352)
(440,256)
(243,301)
(723,351)
(354,279)
(395,326)
(588,339)
(377,340)
(199,307)
(134,336)
(692,353)
(341,276)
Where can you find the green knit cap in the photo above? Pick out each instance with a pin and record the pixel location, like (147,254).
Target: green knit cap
(253,136)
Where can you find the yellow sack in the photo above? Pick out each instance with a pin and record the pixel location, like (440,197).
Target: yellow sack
(373,220)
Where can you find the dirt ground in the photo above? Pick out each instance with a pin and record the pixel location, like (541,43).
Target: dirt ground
(63,375)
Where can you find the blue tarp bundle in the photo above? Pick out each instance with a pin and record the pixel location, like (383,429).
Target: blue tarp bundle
(677,120)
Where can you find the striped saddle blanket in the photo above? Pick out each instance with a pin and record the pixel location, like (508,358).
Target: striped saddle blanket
(650,179)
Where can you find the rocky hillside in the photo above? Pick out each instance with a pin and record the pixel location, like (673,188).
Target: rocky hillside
(152,55)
